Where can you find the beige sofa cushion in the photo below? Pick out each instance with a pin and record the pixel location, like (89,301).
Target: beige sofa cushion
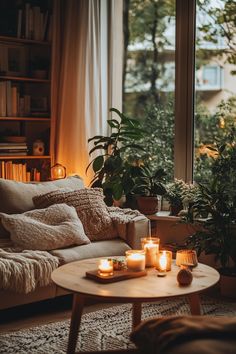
(115,247)
(90,208)
(16,197)
(45,229)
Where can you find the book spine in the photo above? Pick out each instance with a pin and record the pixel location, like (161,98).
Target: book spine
(19,23)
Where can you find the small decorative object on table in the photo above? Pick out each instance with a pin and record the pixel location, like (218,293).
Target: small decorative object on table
(186,256)
(135,260)
(118,263)
(184,276)
(151,248)
(164,259)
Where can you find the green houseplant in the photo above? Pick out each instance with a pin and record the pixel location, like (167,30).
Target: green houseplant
(216,201)
(112,171)
(147,187)
(179,194)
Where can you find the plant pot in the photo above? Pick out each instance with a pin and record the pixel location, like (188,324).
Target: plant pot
(147,204)
(175,209)
(228,282)
(120,203)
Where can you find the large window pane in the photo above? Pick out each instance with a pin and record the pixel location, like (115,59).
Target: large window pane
(149,77)
(215,98)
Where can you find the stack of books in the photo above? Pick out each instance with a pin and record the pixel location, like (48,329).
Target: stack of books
(18,172)
(13,149)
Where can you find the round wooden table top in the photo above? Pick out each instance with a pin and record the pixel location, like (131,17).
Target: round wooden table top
(147,288)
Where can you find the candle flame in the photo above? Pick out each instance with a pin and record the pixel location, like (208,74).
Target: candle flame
(163,261)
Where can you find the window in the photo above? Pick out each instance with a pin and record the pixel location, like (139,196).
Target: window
(179,79)
(215,90)
(149,77)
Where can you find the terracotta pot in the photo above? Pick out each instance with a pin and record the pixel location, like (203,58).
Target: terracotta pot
(147,204)
(175,209)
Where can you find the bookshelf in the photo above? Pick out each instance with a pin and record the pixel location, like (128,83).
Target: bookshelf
(25,89)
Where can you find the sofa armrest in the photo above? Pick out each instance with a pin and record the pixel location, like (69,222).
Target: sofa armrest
(136,229)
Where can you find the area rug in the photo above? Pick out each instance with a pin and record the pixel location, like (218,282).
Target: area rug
(102,329)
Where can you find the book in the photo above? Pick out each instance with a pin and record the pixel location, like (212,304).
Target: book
(3,99)
(19,23)
(9,98)
(15,101)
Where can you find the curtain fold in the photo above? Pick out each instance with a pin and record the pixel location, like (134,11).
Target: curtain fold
(80,77)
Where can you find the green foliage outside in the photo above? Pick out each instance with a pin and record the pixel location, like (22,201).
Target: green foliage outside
(146,96)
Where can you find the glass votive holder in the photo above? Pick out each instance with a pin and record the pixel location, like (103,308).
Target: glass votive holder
(105,267)
(164,260)
(186,257)
(135,260)
(151,247)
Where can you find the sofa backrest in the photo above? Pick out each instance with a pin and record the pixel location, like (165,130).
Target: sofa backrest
(16,197)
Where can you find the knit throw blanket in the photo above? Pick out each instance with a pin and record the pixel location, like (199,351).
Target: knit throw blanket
(122,217)
(23,271)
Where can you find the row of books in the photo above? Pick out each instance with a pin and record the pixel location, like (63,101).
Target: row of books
(7,149)
(18,172)
(32,23)
(12,104)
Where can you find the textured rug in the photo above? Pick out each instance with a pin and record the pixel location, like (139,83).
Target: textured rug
(100,330)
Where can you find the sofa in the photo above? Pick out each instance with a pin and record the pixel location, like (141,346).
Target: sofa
(16,199)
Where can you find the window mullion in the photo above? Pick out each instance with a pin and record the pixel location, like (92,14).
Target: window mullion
(184,88)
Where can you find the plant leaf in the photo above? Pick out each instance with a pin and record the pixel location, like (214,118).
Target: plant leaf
(98,163)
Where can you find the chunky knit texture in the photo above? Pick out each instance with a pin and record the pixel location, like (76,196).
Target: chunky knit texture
(90,208)
(45,229)
(23,271)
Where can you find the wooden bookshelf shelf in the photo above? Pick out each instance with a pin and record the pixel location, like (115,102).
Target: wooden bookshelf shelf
(25,89)
(29,119)
(24,40)
(24,157)
(21,78)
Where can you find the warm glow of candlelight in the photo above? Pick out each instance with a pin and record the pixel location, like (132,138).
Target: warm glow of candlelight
(105,267)
(135,260)
(151,248)
(163,261)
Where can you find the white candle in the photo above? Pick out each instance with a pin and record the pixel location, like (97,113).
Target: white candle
(135,260)
(151,247)
(163,262)
(105,267)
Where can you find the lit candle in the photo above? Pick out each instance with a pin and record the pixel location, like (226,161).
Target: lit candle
(135,260)
(151,247)
(162,264)
(105,267)
(164,260)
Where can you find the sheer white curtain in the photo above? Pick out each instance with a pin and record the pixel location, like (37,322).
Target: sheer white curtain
(81,94)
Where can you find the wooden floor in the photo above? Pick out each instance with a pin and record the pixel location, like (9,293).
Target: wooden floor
(40,313)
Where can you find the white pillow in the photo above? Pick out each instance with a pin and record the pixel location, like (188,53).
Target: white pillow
(45,229)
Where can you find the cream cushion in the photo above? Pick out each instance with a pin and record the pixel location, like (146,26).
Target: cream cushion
(90,208)
(106,248)
(16,197)
(45,229)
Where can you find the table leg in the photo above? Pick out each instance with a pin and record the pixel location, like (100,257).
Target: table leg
(194,303)
(77,311)
(137,314)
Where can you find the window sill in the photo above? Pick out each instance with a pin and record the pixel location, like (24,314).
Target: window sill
(163,215)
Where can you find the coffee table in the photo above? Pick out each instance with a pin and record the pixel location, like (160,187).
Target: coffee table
(148,288)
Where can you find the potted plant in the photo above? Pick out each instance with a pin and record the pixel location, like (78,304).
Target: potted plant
(147,187)
(179,195)
(216,200)
(112,171)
